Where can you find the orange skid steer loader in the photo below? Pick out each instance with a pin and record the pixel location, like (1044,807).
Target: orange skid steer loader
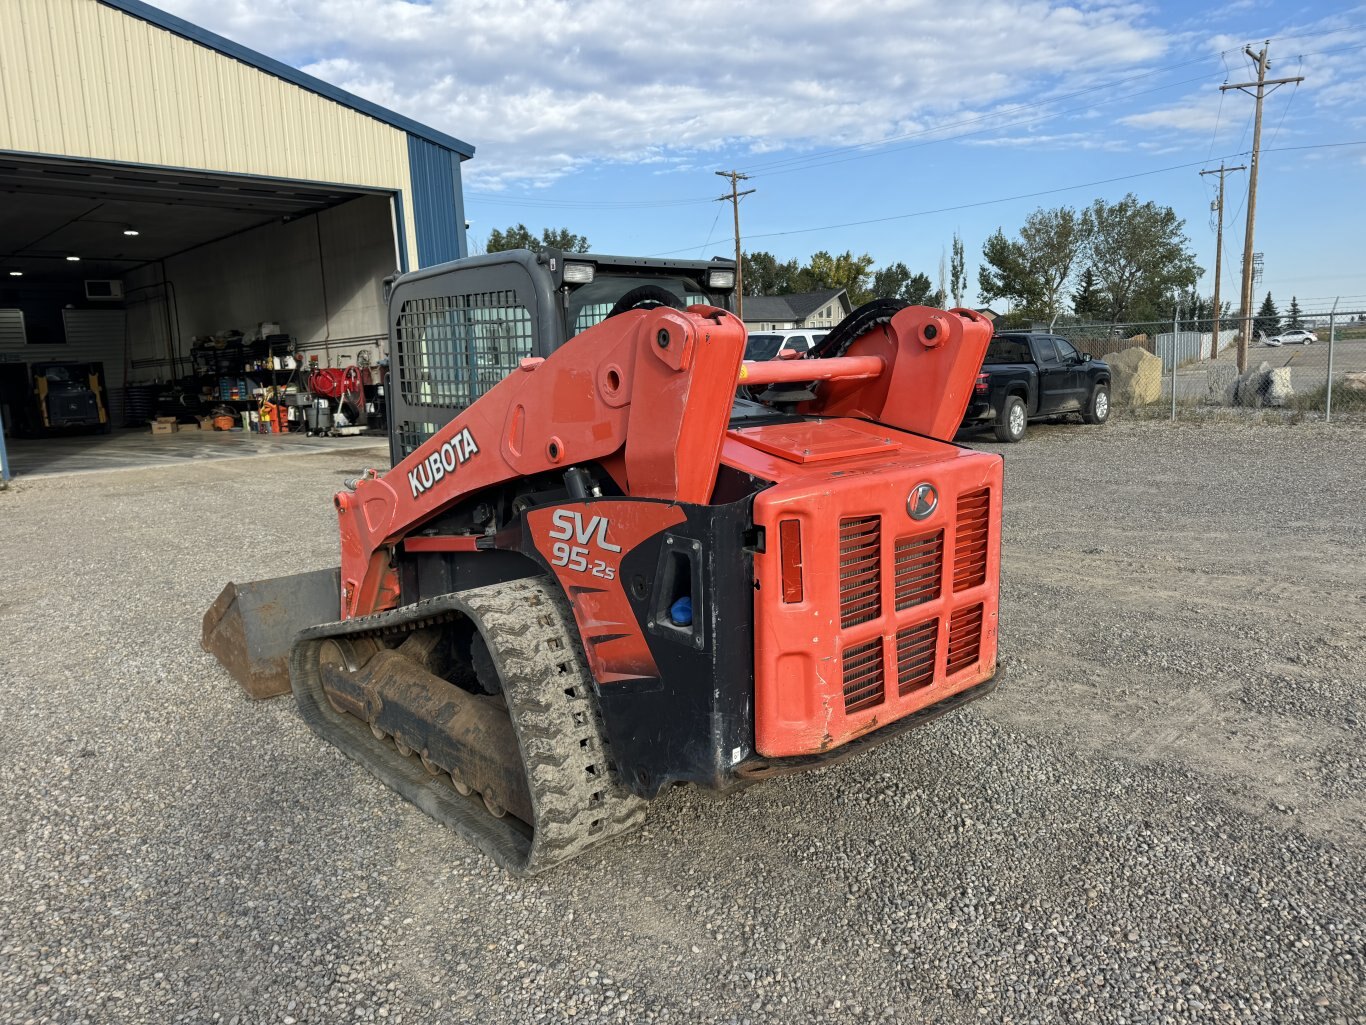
(612,555)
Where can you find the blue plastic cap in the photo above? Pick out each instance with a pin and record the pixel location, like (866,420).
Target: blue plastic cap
(680,612)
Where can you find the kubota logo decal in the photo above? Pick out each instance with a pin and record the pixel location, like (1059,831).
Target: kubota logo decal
(922,501)
(441,462)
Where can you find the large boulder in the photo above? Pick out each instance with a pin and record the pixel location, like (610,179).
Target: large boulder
(1355,382)
(1278,390)
(1135,377)
(1220,377)
(1264,386)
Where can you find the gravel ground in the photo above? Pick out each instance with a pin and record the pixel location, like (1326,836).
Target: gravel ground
(1158,818)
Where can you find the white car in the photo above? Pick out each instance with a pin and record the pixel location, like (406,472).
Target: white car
(1296,336)
(788,343)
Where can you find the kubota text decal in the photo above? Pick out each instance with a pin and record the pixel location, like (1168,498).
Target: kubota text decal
(441,462)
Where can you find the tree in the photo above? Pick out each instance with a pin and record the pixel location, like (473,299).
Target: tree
(1086,299)
(1139,253)
(520,237)
(958,278)
(1268,319)
(1194,312)
(1294,315)
(1034,271)
(895,281)
(847,271)
(1005,274)
(764,275)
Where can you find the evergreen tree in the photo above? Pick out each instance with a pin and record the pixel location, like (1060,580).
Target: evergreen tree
(1268,319)
(1294,315)
(1086,299)
(958,278)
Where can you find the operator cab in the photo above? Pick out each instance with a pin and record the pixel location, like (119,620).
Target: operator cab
(457,329)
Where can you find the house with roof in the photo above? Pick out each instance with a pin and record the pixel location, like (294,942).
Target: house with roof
(823,308)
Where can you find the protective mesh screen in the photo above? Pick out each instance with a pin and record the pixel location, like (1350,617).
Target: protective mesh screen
(450,349)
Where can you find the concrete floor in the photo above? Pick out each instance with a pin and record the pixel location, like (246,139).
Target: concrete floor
(129,449)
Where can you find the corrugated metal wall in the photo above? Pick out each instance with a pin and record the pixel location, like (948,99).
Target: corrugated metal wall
(439,208)
(91,336)
(80,79)
(11,332)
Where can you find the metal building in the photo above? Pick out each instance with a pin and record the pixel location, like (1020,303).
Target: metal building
(160,183)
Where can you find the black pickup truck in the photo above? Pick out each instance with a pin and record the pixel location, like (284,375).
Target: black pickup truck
(1030,376)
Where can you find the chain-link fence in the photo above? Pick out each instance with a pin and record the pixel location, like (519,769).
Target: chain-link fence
(1318,367)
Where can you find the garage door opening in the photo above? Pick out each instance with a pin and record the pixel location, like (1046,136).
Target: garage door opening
(153,290)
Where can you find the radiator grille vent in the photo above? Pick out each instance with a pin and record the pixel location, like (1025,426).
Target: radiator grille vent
(915,651)
(860,570)
(970,539)
(863,675)
(919,566)
(965,638)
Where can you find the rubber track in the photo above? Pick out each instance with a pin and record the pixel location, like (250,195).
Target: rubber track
(858,323)
(531,635)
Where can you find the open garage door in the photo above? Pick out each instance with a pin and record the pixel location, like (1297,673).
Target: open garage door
(126,266)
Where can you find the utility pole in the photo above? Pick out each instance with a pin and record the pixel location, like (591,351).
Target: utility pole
(1245,313)
(1219,258)
(733,197)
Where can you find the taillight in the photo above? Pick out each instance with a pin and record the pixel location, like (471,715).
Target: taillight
(983,384)
(790,556)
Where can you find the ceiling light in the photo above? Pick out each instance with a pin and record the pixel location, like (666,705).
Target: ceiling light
(16,274)
(130,231)
(73,258)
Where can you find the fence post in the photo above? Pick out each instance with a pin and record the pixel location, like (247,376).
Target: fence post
(5,474)
(1176,316)
(1332,337)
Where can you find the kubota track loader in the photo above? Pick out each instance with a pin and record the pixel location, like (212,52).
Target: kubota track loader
(613,556)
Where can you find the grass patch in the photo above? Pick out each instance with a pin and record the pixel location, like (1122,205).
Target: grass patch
(1344,400)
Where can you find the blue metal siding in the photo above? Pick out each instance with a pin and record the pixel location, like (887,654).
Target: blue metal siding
(438,206)
(402,229)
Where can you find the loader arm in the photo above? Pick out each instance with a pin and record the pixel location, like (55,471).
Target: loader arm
(554,413)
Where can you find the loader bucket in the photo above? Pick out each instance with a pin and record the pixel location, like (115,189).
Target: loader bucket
(251,627)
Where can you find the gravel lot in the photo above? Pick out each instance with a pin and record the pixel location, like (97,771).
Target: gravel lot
(1158,818)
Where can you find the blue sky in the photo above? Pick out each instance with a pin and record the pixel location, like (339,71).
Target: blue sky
(915,117)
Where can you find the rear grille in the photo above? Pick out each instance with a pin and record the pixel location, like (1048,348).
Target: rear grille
(919,565)
(970,539)
(860,570)
(915,651)
(965,638)
(863,675)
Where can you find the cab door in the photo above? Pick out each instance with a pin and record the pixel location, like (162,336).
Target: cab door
(1055,390)
(1073,377)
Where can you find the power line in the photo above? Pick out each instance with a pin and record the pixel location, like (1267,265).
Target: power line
(881,148)
(1011,199)
(702,249)
(766,167)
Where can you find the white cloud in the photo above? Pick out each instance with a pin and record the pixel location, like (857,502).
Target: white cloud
(1201,113)
(544,88)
